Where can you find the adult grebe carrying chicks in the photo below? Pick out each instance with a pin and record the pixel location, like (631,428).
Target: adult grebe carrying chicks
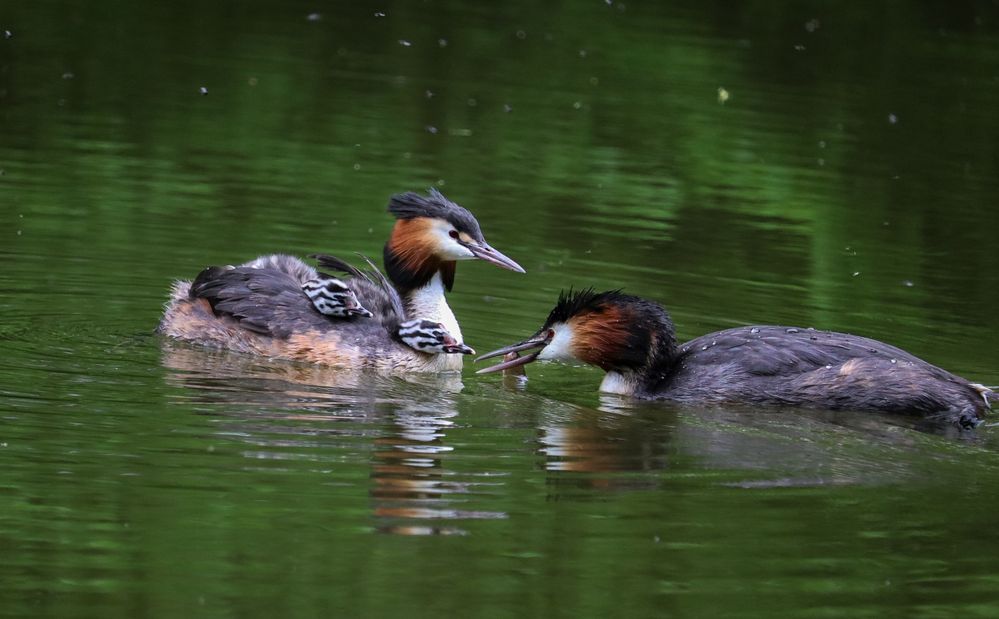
(633,340)
(278,306)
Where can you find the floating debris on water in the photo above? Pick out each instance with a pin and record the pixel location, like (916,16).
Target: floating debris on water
(203,91)
(405,43)
(856,273)
(908,283)
(723,95)
(7,34)
(379,14)
(431,129)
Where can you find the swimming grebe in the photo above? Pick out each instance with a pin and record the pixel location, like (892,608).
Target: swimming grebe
(261,308)
(634,342)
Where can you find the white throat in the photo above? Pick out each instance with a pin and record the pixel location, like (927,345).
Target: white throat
(615,382)
(429,303)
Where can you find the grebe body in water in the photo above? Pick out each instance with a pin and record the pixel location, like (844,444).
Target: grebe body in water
(634,342)
(261,308)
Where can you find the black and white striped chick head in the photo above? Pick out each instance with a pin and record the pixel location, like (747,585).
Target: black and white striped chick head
(332,297)
(430,337)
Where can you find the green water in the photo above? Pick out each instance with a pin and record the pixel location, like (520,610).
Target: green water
(848,182)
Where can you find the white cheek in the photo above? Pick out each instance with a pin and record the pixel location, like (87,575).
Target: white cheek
(560,348)
(447,247)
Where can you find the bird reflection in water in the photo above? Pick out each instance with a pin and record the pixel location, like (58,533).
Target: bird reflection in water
(413,491)
(629,444)
(411,481)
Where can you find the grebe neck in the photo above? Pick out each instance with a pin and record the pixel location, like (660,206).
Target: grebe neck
(428,302)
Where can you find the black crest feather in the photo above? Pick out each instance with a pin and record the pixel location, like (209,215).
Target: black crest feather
(572,303)
(411,205)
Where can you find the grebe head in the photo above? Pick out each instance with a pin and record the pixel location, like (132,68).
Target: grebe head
(431,337)
(611,330)
(430,234)
(333,297)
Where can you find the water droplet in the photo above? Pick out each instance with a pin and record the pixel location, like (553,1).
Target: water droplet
(442,42)
(252,81)
(723,95)
(856,273)
(754,330)
(577,105)
(892,119)
(203,91)
(7,34)
(828,367)
(799,47)
(822,143)
(894,361)
(582,53)
(379,14)
(472,102)
(68,75)
(507,107)
(521,35)
(812,25)
(431,129)
(792,330)
(428,94)
(702,347)
(405,43)
(357,166)
(908,283)
(314,16)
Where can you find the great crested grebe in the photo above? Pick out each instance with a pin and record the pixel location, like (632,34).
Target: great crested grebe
(263,308)
(634,342)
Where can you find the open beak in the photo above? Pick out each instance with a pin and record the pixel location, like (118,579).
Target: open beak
(452,345)
(484,252)
(538,342)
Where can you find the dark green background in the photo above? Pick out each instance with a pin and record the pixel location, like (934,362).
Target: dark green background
(849,182)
